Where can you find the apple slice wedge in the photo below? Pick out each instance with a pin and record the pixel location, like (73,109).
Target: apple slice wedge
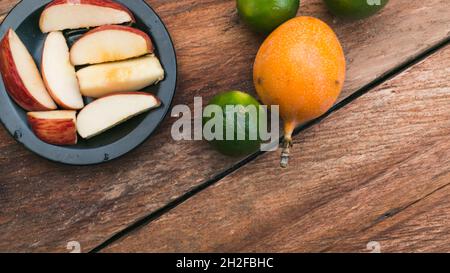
(73,14)
(54,127)
(110,111)
(109,44)
(132,75)
(59,74)
(21,76)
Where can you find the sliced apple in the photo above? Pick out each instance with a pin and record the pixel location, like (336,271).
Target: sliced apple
(74,14)
(110,111)
(21,76)
(54,127)
(109,44)
(59,74)
(124,76)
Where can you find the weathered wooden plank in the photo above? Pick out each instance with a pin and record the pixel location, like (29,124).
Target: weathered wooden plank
(365,162)
(422,227)
(5,6)
(45,205)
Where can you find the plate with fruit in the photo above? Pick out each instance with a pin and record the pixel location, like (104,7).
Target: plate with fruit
(84,81)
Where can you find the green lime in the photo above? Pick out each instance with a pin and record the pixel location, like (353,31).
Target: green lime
(355,9)
(240,115)
(266,15)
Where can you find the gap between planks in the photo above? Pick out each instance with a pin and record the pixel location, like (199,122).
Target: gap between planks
(360,92)
(386,218)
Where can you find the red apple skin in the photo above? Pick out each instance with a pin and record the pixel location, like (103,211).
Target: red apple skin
(52,94)
(121,28)
(61,132)
(50,91)
(54,97)
(101,3)
(13,83)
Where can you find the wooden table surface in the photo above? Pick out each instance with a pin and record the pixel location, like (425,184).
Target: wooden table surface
(376,169)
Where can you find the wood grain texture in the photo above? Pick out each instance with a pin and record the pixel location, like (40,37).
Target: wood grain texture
(5,6)
(422,227)
(362,165)
(45,205)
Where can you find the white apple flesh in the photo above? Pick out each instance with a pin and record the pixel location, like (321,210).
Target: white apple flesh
(109,44)
(110,111)
(21,76)
(124,76)
(59,74)
(54,127)
(74,14)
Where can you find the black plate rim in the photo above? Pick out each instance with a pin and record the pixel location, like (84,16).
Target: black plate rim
(68,155)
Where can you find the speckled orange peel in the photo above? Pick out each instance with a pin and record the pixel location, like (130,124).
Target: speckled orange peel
(301,67)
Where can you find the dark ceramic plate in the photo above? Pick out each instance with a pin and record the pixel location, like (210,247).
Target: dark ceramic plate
(118,141)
